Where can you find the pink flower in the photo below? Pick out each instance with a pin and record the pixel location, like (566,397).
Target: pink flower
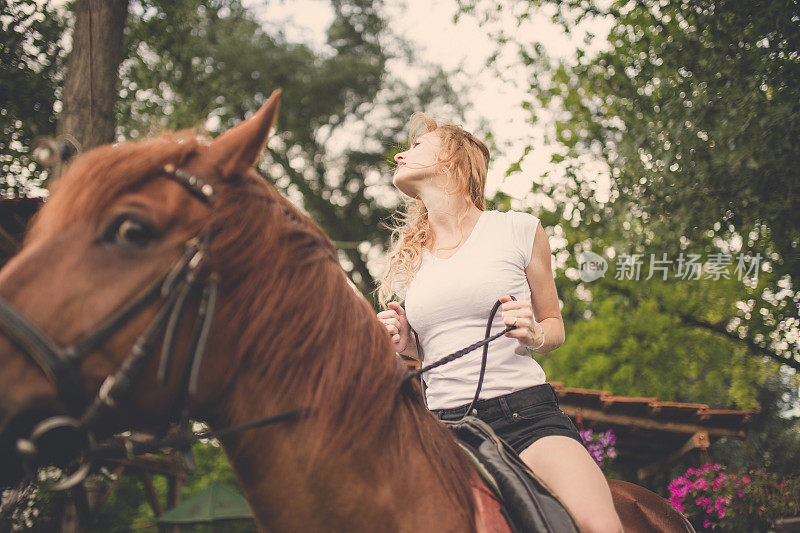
(700,484)
(740,494)
(676,503)
(703,501)
(718,482)
(676,484)
(707,523)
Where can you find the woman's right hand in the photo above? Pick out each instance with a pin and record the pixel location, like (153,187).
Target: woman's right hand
(397,325)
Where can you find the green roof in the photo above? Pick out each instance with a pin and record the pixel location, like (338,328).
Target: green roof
(216,502)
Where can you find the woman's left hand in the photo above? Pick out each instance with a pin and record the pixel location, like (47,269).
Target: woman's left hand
(518,313)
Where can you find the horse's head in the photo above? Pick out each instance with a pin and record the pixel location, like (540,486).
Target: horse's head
(124,257)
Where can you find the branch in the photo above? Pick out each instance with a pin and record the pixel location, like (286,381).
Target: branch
(750,343)
(718,328)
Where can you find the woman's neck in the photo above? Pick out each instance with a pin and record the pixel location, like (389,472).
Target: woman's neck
(452,222)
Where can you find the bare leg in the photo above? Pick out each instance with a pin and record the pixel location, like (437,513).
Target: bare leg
(571,473)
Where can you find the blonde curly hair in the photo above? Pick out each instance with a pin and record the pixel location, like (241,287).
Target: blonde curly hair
(465,160)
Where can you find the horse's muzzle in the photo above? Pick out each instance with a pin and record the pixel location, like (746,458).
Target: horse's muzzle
(33,439)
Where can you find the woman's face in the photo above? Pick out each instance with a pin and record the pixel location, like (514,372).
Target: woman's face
(417,164)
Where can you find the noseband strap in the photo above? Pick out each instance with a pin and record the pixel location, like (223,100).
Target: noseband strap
(61,364)
(57,365)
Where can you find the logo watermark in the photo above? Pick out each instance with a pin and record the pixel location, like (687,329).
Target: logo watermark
(591,266)
(686,267)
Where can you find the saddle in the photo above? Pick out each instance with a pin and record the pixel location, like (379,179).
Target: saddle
(528,504)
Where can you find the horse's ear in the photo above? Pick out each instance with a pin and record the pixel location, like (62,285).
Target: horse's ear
(239,148)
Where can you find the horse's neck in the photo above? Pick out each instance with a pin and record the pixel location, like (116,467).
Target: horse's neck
(378,480)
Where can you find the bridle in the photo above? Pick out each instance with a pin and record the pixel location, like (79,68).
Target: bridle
(61,363)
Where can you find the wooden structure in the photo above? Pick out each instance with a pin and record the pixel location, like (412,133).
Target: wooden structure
(652,435)
(90,496)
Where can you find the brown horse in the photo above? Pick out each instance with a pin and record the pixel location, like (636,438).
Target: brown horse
(288,332)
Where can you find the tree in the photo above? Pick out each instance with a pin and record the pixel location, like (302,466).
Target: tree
(694,111)
(773,440)
(634,343)
(91,81)
(31,63)
(630,336)
(127,508)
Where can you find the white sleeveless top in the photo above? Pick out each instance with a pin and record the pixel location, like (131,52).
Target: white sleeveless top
(449,301)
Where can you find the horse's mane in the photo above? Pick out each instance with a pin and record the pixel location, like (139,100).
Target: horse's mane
(305,335)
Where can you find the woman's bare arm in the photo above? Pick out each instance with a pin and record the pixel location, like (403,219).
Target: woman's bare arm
(544,297)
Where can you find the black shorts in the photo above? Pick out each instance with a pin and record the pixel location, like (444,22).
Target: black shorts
(520,418)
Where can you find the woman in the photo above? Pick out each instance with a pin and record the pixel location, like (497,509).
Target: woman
(450,261)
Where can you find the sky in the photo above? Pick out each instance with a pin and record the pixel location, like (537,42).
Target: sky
(462,46)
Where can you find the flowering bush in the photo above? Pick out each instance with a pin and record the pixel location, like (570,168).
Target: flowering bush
(600,445)
(713,499)
(766,498)
(705,494)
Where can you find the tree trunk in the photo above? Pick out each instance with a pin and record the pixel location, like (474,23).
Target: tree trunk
(92,76)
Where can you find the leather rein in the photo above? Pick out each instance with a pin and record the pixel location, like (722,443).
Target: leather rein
(462,352)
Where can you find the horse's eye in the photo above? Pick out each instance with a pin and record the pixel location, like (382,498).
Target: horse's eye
(130,232)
